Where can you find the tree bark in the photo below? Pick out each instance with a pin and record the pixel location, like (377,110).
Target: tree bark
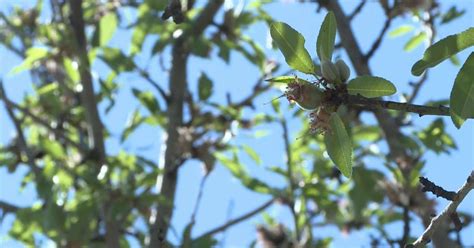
(173,156)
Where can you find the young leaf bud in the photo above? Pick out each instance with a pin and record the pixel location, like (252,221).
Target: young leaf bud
(307,96)
(330,72)
(343,70)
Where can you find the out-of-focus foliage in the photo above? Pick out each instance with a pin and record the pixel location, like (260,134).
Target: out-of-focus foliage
(73,190)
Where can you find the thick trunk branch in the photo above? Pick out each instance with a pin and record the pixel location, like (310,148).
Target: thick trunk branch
(94,124)
(173,156)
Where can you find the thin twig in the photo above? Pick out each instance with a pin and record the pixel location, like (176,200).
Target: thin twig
(43,123)
(198,200)
(8,208)
(155,85)
(357,10)
(237,220)
(445,215)
(22,144)
(428,186)
(406,226)
(379,39)
(289,175)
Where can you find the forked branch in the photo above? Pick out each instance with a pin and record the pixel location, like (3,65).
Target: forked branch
(446,214)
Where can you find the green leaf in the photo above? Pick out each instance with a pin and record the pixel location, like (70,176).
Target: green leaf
(462,95)
(117,61)
(107,27)
(205,87)
(415,41)
(71,70)
(457,120)
(365,189)
(281,79)
(239,172)
(455,60)
(147,99)
(33,54)
(443,49)
(338,145)
(369,86)
(252,153)
(134,121)
(401,30)
(452,14)
(291,44)
(326,37)
(435,137)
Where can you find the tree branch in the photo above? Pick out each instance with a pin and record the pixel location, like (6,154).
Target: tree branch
(22,144)
(445,215)
(289,175)
(94,124)
(357,10)
(379,39)
(375,104)
(155,85)
(237,220)
(173,155)
(44,123)
(7,208)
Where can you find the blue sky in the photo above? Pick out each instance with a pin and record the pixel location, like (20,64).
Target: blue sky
(221,191)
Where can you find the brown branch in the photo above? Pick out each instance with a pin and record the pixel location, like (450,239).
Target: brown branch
(22,144)
(428,186)
(357,10)
(88,100)
(155,85)
(375,104)
(406,226)
(289,175)
(379,39)
(173,155)
(8,208)
(45,124)
(95,128)
(444,216)
(236,220)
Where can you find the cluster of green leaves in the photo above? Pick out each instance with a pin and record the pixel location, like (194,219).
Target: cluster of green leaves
(291,44)
(72,190)
(462,93)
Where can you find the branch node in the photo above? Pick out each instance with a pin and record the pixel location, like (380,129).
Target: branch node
(429,186)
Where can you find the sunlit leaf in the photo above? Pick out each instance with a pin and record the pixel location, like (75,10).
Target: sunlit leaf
(32,55)
(291,44)
(415,41)
(326,37)
(443,49)
(147,99)
(117,60)
(71,70)
(239,172)
(252,154)
(369,86)
(435,138)
(106,28)
(401,30)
